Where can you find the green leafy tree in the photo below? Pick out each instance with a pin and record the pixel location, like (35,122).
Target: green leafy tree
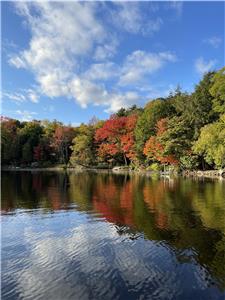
(199,111)
(217,91)
(145,127)
(177,141)
(194,133)
(211,143)
(10,147)
(27,152)
(179,101)
(29,137)
(83,148)
(50,153)
(123,112)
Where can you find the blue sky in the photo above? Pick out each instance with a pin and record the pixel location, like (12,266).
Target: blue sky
(73,60)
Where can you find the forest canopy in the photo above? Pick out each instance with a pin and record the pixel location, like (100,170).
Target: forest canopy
(183,130)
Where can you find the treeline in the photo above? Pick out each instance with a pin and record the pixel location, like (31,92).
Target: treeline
(183,130)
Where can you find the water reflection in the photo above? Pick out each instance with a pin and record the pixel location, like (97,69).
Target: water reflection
(131,236)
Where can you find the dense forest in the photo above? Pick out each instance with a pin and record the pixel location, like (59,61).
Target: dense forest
(184,131)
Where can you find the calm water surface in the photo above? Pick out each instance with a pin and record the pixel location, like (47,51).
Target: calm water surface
(104,236)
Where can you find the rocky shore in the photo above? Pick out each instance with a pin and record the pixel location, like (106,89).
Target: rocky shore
(208,173)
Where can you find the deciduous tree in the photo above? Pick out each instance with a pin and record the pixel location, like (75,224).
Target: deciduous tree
(217,91)
(211,143)
(83,147)
(154,150)
(62,140)
(116,137)
(145,127)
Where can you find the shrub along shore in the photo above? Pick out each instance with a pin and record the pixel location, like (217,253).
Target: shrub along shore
(183,132)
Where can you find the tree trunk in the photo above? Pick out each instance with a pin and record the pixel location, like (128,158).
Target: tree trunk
(125,159)
(203,164)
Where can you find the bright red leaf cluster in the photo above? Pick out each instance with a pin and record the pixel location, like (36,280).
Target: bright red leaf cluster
(116,136)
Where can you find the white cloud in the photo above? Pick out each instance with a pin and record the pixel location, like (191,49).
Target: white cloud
(66,37)
(152,26)
(61,32)
(202,66)
(17,97)
(22,96)
(33,96)
(87,92)
(107,50)
(214,41)
(25,115)
(140,63)
(102,71)
(55,83)
(17,62)
(122,100)
(135,67)
(128,16)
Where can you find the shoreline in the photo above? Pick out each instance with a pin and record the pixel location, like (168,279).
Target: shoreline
(189,174)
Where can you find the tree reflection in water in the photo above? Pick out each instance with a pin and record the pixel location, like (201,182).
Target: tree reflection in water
(185,214)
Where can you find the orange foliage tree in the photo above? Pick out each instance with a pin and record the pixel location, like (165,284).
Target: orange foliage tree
(154,150)
(116,137)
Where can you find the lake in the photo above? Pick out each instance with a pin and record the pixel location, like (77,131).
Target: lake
(111,236)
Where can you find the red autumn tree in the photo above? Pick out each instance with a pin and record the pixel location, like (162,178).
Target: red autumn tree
(154,150)
(38,152)
(116,137)
(62,140)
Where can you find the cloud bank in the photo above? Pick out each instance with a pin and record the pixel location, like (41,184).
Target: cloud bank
(71,51)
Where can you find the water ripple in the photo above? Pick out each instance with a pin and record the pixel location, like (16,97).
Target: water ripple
(119,239)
